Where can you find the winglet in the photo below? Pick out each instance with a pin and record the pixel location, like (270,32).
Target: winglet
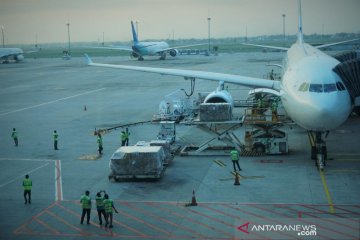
(88,59)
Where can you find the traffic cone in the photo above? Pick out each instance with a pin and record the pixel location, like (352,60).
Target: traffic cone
(237,179)
(193,199)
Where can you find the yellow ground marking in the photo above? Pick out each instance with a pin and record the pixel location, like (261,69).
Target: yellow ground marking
(343,171)
(220,163)
(89,157)
(327,193)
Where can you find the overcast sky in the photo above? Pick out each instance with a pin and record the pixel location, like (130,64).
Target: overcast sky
(26,20)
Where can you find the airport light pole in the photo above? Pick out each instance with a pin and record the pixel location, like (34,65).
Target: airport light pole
(3,36)
(284,15)
(68,27)
(209,32)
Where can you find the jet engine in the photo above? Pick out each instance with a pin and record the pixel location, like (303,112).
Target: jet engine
(173,52)
(134,54)
(219,96)
(19,58)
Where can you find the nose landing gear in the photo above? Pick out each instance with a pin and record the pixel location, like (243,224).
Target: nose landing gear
(318,149)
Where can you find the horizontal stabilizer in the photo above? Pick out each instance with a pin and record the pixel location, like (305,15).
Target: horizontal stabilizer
(266,46)
(336,43)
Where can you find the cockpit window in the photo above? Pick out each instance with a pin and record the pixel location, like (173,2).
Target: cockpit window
(316,88)
(304,87)
(330,87)
(340,86)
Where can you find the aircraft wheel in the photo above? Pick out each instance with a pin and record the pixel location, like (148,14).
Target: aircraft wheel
(259,148)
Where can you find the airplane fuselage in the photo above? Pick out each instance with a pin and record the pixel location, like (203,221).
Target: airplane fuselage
(312,94)
(11,53)
(149,48)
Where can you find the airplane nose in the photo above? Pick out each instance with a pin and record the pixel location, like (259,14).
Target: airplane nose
(329,114)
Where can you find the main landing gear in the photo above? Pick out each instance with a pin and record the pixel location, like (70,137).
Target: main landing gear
(318,148)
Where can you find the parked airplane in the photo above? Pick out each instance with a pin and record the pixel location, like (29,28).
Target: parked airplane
(141,49)
(7,54)
(318,91)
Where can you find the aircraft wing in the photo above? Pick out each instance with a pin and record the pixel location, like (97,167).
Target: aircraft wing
(336,43)
(123,48)
(266,46)
(188,74)
(185,46)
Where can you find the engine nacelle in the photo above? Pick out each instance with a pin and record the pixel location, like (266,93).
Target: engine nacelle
(134,54)
(173,52)
(19,57)
(221,96)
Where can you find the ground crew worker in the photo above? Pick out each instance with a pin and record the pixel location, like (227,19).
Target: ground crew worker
(234,155)
(55,136)
(271,74)
(85,201)
(274,107)
(14,136)
(27,184)
(109,206)
(100,207)
(127,134)
(123,138)
(100,144)
(260,102)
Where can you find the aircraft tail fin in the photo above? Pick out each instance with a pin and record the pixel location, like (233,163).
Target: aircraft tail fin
(134,33)
(88,59)
(300,35)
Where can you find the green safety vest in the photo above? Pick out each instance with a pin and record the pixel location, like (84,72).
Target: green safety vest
(99,141)
(55,135)
(234,155)
(127,134)
(260,103)
(85,202)
(14,134)
(274,106)
(123,136)
(27,183)
(99,202)
(108,203)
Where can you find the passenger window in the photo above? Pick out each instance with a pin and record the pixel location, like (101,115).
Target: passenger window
(329,87)
(316,88)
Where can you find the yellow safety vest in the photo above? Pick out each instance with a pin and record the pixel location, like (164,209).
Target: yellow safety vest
(108,203)
(85,202)
(234,155)
(99,202)
(55,136)
(27,183)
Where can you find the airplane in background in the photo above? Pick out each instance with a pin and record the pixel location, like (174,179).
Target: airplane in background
(141,49)
(7,54)
(318,92)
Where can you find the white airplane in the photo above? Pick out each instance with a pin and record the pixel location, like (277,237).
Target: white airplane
(316,90)
(141,49)
(7,54)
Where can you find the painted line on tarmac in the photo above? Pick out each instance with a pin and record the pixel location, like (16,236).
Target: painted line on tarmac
(327,192)
(23,174)
(54,101)
(58,181)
